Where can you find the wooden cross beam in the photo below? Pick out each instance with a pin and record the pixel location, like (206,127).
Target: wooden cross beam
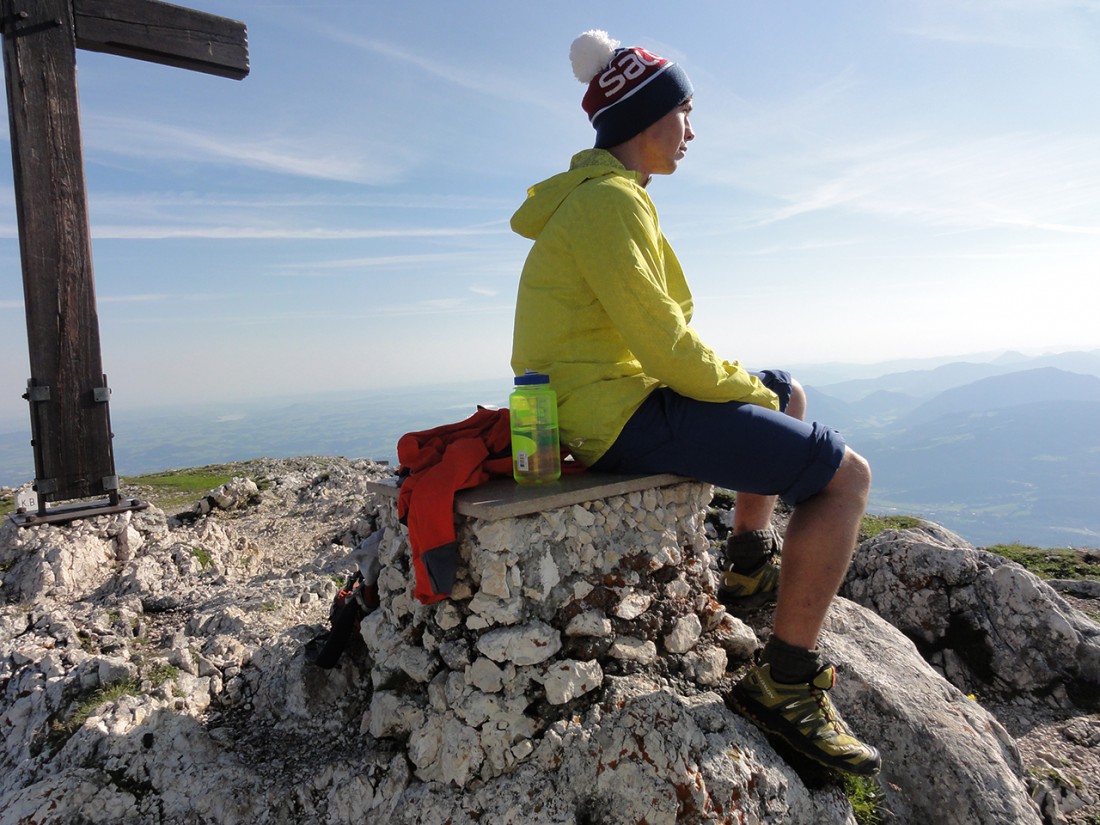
(67,390)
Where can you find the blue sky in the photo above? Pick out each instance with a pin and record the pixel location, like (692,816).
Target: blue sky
(870,180)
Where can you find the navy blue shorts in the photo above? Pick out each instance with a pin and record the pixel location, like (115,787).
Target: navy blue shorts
(741,447)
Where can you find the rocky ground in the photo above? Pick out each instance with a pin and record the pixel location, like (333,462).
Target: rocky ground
(208,626)
(182,645)
(1059,745)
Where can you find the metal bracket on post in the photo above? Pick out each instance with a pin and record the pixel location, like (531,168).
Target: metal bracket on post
(62,514)
(37,394)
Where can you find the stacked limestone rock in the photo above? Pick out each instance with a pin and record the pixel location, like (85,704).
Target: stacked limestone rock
(545,607)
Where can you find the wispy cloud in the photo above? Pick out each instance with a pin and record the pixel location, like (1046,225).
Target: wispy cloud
(11,304)
(495,82)
(435,307)
(141,202)
(977,36)
(735,121)
(306,156)
(378,262)
(806,246)
(1042,182)
(134,299)
(167,215)
(1013,24)
(286,232)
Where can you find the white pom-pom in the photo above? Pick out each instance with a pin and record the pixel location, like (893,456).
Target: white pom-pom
(590,54)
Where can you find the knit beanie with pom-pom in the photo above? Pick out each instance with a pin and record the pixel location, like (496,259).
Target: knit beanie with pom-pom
(629,89)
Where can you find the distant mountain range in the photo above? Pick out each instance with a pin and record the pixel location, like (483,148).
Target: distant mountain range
(1001,450)
(925,383)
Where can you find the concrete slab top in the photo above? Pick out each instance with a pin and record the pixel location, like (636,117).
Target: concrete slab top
(504,498)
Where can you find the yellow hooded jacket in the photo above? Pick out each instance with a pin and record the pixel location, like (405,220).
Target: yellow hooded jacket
(603,307)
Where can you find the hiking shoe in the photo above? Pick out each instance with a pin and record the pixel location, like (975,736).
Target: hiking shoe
(738,587)
(749,589)
(804,717)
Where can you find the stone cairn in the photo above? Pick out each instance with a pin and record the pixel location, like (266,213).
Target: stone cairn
(548,604)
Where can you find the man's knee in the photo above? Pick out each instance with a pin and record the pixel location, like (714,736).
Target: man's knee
(853,477)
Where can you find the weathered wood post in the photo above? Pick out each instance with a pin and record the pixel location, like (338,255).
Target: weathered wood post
(67,390)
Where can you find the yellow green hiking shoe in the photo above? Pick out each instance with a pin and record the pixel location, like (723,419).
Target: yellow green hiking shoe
(749,589)
(738,587)
(803,716)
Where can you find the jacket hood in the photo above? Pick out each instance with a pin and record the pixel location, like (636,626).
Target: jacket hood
(543,199)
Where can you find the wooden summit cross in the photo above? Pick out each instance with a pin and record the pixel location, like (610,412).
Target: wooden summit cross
(67,391)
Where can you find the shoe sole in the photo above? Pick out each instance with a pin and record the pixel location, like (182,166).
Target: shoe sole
(746,709)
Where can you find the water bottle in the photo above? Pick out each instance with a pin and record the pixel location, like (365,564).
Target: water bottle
(533,411)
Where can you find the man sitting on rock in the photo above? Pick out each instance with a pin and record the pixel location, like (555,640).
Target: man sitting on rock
(604,309)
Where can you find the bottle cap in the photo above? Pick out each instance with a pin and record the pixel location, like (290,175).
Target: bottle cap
(531,377)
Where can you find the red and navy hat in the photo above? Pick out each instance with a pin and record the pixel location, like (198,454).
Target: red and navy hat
(629,89)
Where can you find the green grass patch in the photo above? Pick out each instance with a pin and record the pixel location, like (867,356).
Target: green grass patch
(872,526)
(865,794)
(160,674)
(7,503)
(203,556)
(178,488)
(1057,777)
(1046,563)
(184,481)
(61,731)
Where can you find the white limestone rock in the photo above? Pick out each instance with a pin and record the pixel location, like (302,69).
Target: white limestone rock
(461,754)
(945,758)
(631,649)
(590,623)
(391,714)
(1006,622)
(707,665)
(633,604)
(684,634)
(736,638)
(567,679)
(525,645)
(235,493)
(486,675)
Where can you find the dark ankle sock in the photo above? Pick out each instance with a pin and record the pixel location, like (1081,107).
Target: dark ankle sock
(747,551)
(790,664)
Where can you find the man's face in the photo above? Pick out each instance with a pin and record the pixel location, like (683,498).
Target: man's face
(666,140)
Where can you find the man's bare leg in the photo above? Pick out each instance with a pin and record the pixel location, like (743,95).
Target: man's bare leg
(786,691)
(818,547)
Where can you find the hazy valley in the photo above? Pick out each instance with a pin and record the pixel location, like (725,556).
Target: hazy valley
(999,451)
